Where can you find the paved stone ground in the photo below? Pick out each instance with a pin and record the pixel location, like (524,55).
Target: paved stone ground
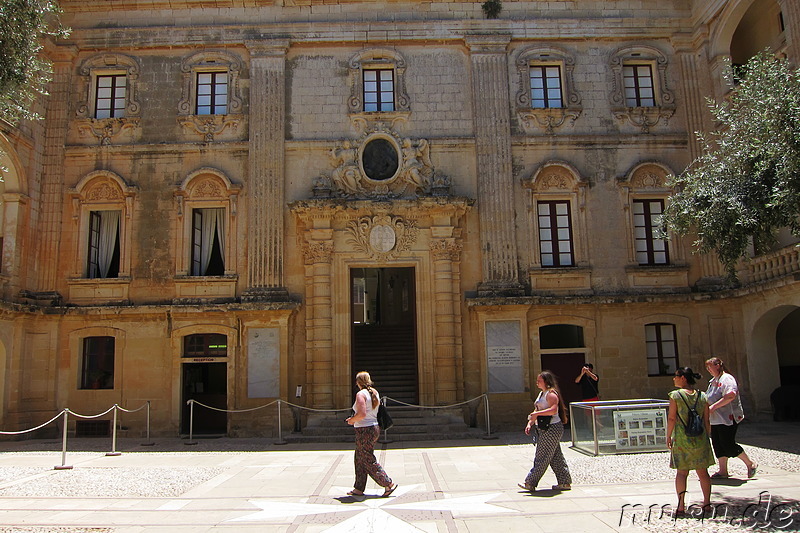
(235,485)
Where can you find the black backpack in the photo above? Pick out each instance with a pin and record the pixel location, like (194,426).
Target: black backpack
(693,426)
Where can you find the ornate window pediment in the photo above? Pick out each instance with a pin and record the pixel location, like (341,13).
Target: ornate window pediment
(377,88)
(207,205)
(211,99)
(557,215)
(102,206)
(381,164)
(640,94)
(108,103)
(546,98)
(646,192)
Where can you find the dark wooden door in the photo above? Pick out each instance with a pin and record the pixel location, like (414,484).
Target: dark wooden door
(566,367)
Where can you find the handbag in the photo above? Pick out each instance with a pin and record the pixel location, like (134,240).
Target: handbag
(384,418)
(543,422)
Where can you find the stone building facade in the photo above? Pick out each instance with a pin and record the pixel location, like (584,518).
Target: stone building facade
(237,201)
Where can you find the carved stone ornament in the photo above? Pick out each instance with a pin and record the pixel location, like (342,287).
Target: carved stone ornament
(106,129)
(208,188)
(103,191)
(382,237)
(647,180)
(209,125)
(554,178)
(446,250)
(378,165)
(318,252)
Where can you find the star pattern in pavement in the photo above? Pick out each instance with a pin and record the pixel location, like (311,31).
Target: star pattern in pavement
(373,517)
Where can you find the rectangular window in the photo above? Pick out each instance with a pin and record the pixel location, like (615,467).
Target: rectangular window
(646,221)
(205,345)
(378,90)
(546,86)
(109,100)
(208,241)
(212,93)
(103,257)
(662,349)
(97,368)
(555,234)
(638,84)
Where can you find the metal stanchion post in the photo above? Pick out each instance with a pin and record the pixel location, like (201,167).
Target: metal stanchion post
(280,429)
(64,465)
(488,420)
(191,442)
(149,442)
(114,451)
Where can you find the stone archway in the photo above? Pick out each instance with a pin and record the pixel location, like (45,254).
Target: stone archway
(763,361)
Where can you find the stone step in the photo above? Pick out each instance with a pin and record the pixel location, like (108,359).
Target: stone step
(410,423)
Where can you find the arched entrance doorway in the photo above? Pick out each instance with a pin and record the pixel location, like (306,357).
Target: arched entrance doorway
(770,349)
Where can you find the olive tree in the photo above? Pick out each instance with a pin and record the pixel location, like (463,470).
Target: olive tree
(746,184)
(24,72)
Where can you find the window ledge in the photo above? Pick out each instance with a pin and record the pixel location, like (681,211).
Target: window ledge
(534,120)
(87,291)
(195,288)
(666,277)
(555,280)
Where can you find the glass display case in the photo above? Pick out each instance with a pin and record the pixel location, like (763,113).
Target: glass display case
(619,426)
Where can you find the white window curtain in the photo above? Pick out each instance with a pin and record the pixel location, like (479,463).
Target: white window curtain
(109,230)
(213,223)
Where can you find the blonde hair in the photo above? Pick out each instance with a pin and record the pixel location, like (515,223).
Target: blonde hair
(364,381)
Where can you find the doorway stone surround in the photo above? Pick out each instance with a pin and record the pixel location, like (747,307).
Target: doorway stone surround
(425,233)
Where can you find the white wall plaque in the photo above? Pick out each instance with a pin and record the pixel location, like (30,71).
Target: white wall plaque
(504,356)
(263,363)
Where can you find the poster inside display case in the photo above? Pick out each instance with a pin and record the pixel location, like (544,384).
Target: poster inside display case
(640,430)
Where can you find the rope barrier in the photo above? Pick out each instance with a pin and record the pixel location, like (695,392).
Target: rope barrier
(231,410)
(435,406)
(66,412)
(112,408)
(40,426)
(191,403)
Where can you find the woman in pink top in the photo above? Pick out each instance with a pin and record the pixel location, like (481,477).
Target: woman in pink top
(365,422)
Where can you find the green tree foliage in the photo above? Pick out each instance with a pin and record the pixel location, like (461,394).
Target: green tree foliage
(746,184)
(24,72)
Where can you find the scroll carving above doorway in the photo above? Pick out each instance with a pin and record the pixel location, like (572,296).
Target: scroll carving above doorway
(380,164)
(382,236)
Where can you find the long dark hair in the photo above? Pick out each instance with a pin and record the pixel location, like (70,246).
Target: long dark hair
(551,382)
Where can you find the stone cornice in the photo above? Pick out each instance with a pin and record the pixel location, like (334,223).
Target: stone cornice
(367,31)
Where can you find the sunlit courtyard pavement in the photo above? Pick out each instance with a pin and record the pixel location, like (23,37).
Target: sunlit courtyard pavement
(445,486)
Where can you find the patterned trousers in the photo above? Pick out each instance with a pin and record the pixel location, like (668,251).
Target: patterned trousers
(548,453)
(365,461)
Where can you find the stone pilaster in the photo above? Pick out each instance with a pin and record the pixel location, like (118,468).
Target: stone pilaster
(490,96)
(48,229)
(447,356)
(791,20)
(266,178)
(695,105)
(319,320)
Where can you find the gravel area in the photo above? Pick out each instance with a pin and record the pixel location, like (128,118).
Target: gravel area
(105,482)
(44,529)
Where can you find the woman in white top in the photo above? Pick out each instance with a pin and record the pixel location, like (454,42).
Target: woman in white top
(365,422)
(548,405)
(725,406)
